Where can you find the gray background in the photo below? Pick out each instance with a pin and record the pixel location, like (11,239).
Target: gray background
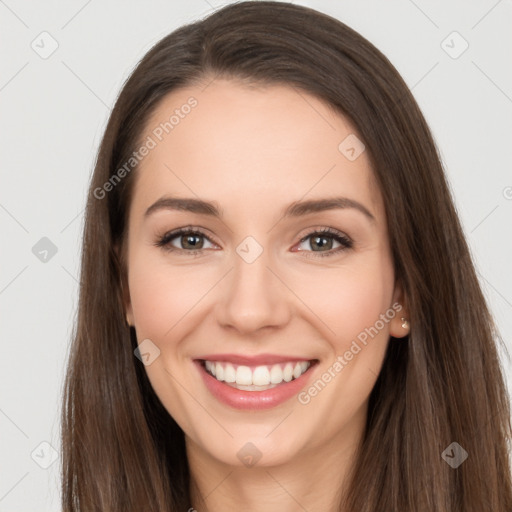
(54,110)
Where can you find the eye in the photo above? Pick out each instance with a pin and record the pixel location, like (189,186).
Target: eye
(189,240)
(322,241)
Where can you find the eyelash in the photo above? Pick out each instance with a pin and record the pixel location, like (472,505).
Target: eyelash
(345,242)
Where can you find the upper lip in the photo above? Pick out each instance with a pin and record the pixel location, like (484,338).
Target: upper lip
(260,359)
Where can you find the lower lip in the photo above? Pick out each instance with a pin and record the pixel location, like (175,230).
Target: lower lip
(254,400)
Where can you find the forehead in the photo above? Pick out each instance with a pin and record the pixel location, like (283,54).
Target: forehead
(229,140)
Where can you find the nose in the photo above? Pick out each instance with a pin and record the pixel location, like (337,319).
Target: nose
(253,298)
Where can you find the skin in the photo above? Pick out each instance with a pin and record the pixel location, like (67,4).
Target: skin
(253,151)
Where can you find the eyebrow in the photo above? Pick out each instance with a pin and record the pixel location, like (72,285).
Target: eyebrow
(295,209)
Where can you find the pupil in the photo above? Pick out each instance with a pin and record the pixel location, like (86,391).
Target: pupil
(318,243)
(189,241)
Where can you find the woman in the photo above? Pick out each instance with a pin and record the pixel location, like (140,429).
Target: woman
(220,362)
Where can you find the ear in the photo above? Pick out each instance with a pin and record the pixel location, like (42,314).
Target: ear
(400,323)
(125,290)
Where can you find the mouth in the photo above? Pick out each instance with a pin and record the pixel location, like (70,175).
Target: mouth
(255,378)
(254,386)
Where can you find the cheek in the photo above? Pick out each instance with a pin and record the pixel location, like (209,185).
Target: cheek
(351,303)
(350,299)
(152,304)
(164,299)
(161,294)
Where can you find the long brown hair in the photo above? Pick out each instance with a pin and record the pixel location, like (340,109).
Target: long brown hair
(122,451)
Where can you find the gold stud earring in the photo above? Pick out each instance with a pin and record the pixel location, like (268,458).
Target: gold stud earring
(405,323)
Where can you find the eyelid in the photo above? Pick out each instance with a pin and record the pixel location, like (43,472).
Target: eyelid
(344,240)
(165,239)
(322,229)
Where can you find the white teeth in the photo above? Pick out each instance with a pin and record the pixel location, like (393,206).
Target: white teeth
(297,371)
(276,374)
(229,373)
(219,371)
(260,376)
(253,387)
(243,375)
(288,372)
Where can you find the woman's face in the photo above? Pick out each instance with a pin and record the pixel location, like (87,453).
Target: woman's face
(257,289)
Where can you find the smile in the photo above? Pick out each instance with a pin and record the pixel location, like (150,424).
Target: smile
(255,383)
(256,378)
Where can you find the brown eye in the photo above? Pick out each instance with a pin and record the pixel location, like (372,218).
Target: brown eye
(323,241)
(185,240)
(192,241)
